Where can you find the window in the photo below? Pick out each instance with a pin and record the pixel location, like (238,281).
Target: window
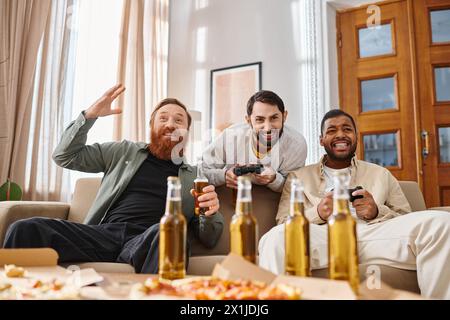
(440,25)
(98,30)
(444,144)
(381,149)
(378,94)
(375,41)
(442,83)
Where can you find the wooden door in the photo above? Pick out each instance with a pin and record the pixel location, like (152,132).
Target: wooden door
(432,33)
(376,86)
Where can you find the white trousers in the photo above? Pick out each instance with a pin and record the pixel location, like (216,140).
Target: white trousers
(415,241)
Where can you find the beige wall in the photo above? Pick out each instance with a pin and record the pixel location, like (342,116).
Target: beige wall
(233,32)
(223,33)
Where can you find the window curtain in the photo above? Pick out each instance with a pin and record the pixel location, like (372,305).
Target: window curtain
(23,24)
(310,17)
(52,104)
(37,68)
(142,65)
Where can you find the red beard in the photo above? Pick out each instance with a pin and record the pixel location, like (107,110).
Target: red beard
(161,147)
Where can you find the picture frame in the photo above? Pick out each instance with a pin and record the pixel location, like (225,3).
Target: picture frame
(230,90)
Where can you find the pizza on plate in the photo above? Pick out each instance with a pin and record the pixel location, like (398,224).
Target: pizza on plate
(38,290)
(209,288)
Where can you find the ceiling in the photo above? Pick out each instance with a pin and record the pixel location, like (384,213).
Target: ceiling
(345,4)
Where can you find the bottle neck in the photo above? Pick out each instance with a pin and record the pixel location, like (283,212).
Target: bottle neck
(244,198)
(340,200)
(340,195)
(340,206)
(244,208)
(244,194)
(297,201)
(173,202)
(297,209)
(200,173)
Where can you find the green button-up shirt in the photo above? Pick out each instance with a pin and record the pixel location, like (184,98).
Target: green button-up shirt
(119,161)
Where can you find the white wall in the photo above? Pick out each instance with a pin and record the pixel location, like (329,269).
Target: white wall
(235,32)
(331,60)
(211,34)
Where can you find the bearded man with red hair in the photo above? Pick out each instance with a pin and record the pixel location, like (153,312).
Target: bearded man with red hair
(123,223)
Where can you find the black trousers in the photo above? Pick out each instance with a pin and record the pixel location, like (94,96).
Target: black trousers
(76,242)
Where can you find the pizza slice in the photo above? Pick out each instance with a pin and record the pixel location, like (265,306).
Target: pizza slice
(12,271)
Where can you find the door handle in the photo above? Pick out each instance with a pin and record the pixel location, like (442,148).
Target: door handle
(426,149)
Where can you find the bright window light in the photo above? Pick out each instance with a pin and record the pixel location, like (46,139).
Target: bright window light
(97,55)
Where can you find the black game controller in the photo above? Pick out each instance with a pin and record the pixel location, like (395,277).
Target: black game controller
(250,168)
(353,198)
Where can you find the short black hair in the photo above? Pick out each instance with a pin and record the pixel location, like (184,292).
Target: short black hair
(334,114)
(265,96)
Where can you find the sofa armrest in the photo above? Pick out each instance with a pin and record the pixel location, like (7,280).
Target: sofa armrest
(11,211)
(440,208)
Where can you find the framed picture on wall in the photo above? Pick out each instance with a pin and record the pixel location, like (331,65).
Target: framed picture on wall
(231,88)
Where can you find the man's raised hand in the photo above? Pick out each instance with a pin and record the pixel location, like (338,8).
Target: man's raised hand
(102,107)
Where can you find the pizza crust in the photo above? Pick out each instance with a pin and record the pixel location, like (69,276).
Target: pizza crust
(12,271)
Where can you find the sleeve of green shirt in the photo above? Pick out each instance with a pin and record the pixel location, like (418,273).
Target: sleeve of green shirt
(208,229)
(73,153)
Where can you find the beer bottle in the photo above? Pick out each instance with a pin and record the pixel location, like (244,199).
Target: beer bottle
(297,235)
(199,183)
(243,226)
(342,240)
(172,234)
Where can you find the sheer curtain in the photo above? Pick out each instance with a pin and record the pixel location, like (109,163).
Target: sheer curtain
(4,59)
(57,58)
(52,103)
(97,54)
(142,65)
(308,15)
(23,24)
(77,61)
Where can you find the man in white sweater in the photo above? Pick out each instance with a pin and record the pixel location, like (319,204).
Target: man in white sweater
(388,232)
(263,139)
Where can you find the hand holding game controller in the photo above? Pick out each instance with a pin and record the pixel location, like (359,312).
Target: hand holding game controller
(365,206)
(352,197)
(233,173)
(267,176)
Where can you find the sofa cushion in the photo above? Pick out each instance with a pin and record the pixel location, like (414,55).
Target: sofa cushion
(265,207)
(203,265)
(12,211)
(83,196)
(413,194)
